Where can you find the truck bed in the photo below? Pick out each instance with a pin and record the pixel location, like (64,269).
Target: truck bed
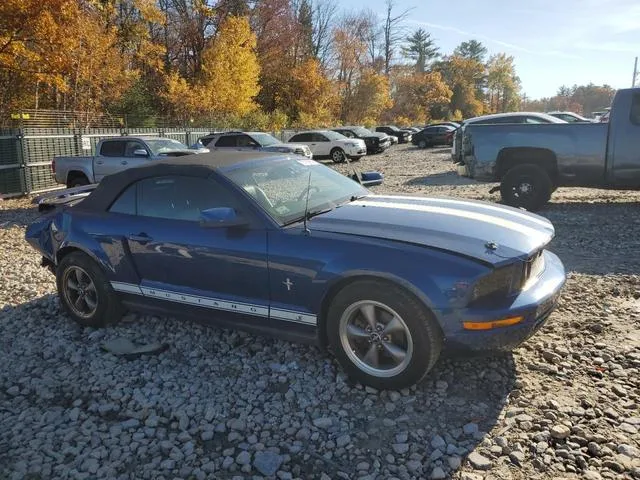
(580,148)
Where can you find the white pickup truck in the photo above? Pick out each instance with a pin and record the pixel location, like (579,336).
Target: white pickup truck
(115,154)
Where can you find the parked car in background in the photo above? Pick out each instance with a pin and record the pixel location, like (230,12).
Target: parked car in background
(531,161)
(570,117)
(328,262)
(376,142)
(433,136)
(404,136)
(115,154)
(330,144)
(394,139)
(529,118)
(252,141)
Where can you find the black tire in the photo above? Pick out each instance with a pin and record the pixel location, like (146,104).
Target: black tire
(527,186)
(422,144)
(338,155)
(77,181)
(108,308)
(425,334)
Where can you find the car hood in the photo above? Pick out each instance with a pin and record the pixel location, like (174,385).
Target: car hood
(285,146)
(491,233)
(380,135)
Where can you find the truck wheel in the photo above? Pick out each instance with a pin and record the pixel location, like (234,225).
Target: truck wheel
(422,144)
(527,186)
(77,181)
(381,335)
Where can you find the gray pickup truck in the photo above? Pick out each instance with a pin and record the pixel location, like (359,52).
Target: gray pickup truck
(115,154)
(531,161)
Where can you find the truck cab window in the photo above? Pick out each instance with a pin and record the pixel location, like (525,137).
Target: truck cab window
(112,148)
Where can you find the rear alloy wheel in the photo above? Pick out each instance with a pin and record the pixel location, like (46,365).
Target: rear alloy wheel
(381,335)
(527,186)
(85,293)
(422,144)
(338,155)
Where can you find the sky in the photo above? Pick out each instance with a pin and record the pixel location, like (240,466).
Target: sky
(553,42)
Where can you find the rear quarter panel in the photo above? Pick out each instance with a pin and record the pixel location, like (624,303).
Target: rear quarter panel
(580,148)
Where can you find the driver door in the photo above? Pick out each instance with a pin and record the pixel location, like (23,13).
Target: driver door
(320,144)
(217,271)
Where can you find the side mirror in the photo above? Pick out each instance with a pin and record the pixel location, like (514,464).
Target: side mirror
(369,179)
(140,152)
(221,217)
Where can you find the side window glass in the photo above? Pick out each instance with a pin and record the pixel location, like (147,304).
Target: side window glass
(318,137)
(347,133)
(227,141)
(532,120)
(246,141)
(206,140)
(635,109)
(126,202)
(112,148)
(180,198)
(131,147)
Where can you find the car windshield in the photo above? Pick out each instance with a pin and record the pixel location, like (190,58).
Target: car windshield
(331,135)
(361,131)
(164,145)
(265,139)
(281,187)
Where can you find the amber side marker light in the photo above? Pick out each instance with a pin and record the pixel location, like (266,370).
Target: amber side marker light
(506,322)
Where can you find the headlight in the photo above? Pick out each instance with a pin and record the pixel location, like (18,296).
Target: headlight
(351,144)
(503,281)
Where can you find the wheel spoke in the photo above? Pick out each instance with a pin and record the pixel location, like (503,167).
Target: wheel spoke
(368,311)
(90,302)
(90,287)
(78,302)
(397,353)
(373,356)
(72,284)
(393,326)
(78,274)
(356,332)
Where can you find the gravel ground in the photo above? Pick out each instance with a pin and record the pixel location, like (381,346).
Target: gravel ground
(223,404)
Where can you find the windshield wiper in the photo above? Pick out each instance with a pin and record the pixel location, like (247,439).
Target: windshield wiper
(309,215)
(356,197)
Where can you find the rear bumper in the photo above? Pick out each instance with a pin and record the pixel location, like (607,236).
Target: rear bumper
(534,304)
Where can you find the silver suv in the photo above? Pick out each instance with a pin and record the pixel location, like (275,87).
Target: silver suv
(252,141)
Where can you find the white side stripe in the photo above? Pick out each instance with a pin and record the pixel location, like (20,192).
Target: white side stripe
(216,303)
(126,287)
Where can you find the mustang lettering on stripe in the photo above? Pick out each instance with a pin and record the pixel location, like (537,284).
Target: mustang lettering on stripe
(216,303)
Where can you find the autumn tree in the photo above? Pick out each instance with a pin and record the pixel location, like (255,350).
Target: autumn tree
(461,75)
(323,18)
(503,84)
(313,97)
(230,69)
(370,96)
(417,94)
(421,49)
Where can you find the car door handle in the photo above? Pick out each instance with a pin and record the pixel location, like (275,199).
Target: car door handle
(140,237)
(99,162)
(124,162)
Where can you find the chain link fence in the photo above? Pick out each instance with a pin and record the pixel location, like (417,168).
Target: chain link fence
(33,137)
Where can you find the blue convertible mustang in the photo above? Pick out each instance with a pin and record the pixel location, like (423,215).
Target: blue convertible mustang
(287,246)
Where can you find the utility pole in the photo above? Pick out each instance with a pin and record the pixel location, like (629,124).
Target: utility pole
(635,73)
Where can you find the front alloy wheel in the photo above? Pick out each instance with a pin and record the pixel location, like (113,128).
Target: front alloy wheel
(375,338)
(382,335)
